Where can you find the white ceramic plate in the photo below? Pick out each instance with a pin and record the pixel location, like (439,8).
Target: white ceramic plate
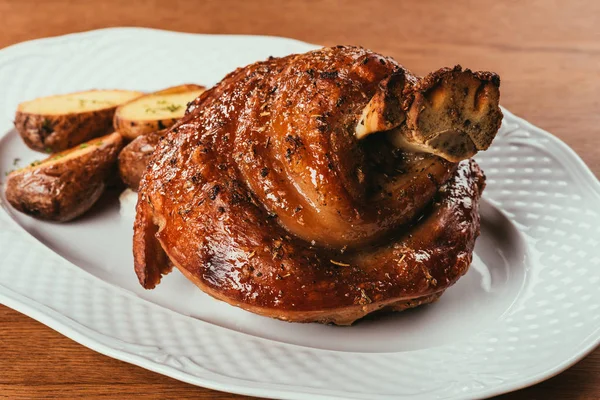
(528,308)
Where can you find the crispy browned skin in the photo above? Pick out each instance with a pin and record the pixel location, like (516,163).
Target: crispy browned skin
(264,198)
(134,157)
(55,133)
(66,184)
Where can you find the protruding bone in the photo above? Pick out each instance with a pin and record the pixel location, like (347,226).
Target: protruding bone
(384,110)
(451,113)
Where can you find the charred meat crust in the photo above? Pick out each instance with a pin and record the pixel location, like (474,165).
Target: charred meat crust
(265,199)
(433,78)
(150,261)
(288,279)
(384,111)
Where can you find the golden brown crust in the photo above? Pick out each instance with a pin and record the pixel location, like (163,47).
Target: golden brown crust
(264,198)
(338,316)
(65,185)
(318,285)
(150,261)
(134,157)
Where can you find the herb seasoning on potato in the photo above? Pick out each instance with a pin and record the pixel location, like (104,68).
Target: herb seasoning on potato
(154,111)
(56,123)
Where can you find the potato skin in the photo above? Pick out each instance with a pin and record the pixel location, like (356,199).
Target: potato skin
(134,157)
(133,129)
(54,133)
(63,190)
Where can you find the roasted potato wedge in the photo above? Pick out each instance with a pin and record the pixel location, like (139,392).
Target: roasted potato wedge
(66,184)
(186,87)
(56,123)
(134,157)
(154,111)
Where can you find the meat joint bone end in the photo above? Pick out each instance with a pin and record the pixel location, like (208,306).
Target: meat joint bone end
(452,113)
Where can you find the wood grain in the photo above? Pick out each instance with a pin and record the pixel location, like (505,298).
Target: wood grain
(547,53)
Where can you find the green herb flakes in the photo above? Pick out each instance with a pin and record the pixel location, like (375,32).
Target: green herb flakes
(173,107)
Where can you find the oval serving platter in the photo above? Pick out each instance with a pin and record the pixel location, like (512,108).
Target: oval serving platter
(528,308)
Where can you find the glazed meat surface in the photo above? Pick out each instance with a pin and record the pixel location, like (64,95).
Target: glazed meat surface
(320,187)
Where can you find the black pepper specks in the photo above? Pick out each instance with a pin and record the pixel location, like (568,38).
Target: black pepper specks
(432,179)
(214,192)
(329,75)
(295,143)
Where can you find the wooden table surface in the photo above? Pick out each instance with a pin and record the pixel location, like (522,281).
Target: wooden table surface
(547,53)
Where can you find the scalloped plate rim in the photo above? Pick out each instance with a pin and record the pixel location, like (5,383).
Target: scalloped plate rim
(73,329)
